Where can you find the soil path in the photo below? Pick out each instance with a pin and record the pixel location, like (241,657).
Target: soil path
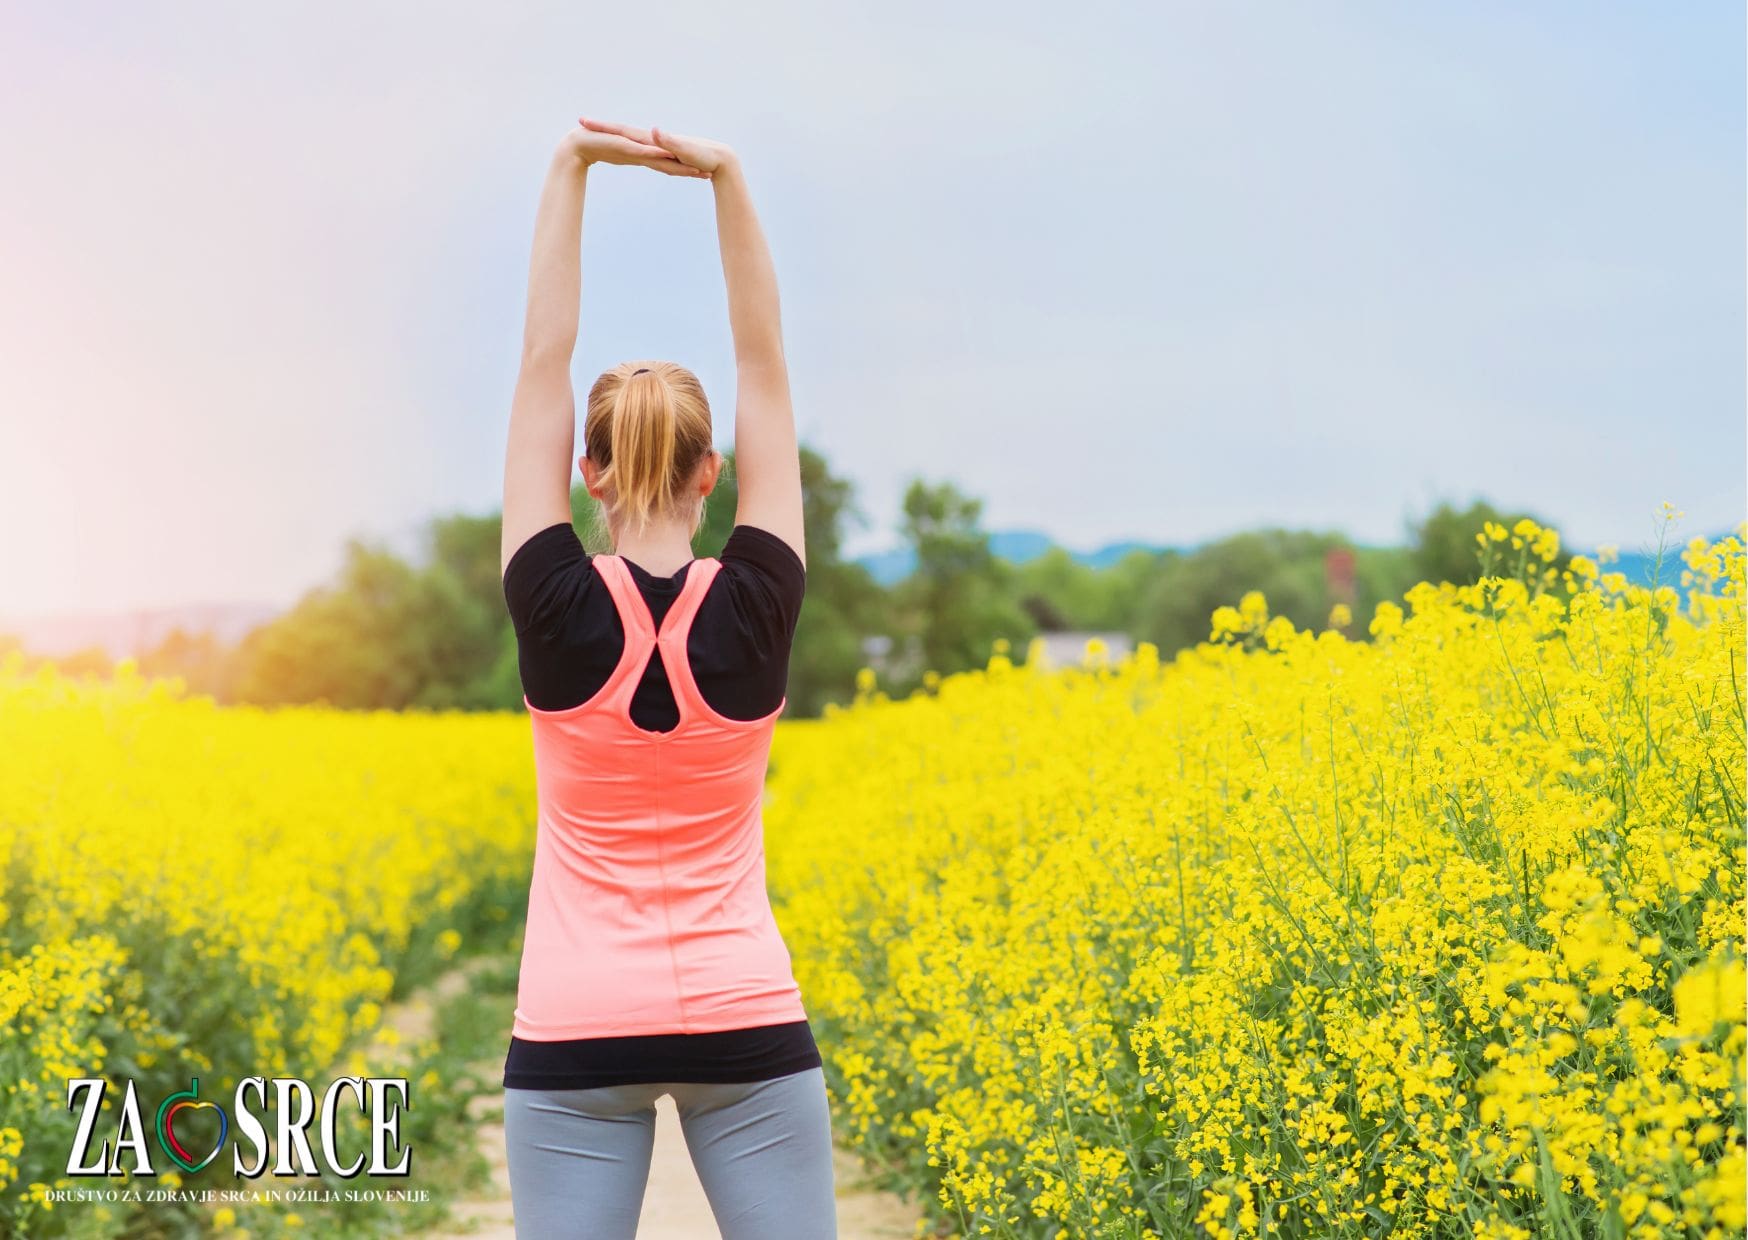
(674,1205)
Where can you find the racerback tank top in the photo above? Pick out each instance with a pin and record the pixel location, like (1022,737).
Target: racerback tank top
(647,910)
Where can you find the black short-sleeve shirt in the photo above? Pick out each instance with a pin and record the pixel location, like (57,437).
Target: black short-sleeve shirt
(569,639)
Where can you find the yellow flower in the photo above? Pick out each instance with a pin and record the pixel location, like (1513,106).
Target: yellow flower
(1710,994)
(1386,620)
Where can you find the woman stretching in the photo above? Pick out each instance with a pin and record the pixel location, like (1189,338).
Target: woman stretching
(653,679)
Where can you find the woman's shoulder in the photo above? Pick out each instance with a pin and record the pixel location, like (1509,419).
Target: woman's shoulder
(544,576)
(756,546)
(764,575)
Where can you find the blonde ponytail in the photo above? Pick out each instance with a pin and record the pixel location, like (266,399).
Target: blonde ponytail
(647,428)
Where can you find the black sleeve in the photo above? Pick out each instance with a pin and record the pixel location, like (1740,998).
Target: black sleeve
(542,579)
(769,573)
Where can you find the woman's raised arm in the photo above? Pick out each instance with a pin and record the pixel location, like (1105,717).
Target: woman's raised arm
(767,458)
(537,463)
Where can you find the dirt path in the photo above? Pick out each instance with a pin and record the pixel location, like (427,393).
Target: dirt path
(674,1205)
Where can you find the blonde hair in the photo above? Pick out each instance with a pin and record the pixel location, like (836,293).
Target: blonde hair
(647,429)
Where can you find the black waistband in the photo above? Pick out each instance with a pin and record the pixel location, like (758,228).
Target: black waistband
(719,1057)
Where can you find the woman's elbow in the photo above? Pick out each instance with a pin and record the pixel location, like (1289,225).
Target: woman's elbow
(547,352)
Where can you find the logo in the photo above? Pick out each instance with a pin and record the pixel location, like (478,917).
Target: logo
(167,1133)
(292,1112)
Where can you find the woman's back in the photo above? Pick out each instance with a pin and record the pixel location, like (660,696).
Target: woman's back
(648,921)
(569,634)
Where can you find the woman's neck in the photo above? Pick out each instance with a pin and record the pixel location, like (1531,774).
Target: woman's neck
(660,550)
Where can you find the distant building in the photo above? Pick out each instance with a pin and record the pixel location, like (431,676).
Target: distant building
(1062,648)
(1067,647)
(877,651)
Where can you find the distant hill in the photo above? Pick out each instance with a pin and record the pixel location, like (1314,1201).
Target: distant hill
(888,567)
(1015,546)
(1020,546)
(1638,566)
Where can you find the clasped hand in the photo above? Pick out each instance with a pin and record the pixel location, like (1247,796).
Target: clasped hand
(604,142)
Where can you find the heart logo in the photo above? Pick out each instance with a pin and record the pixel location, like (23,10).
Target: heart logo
(190,1100)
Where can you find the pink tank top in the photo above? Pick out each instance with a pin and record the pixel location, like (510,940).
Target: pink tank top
(647,911)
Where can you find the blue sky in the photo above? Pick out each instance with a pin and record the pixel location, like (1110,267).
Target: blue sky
(1158,272)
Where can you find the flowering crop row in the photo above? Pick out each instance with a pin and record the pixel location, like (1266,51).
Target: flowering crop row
(1439,934)
(193,891)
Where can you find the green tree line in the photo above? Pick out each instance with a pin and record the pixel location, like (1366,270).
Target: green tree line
(434,634)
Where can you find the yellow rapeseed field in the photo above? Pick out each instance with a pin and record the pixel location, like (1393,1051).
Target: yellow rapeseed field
(1439,933)
(1436,934)
(218,893)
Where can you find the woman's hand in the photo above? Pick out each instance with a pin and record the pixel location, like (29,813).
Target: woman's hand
(596,146)
(702,154)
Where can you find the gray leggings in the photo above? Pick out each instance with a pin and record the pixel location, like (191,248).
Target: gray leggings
(579,1158)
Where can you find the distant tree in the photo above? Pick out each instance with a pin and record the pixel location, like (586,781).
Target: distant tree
(503,684)
(720,507)
(1062,593)
(93,661)
(844,605)
(959,598)
(1286,565)
(1043,611)
(90,662)
(1379,573)
(204,663)
(1123,590)
(463,568)
(1057,591)
(1444,541)
(387,635)
(467,546)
